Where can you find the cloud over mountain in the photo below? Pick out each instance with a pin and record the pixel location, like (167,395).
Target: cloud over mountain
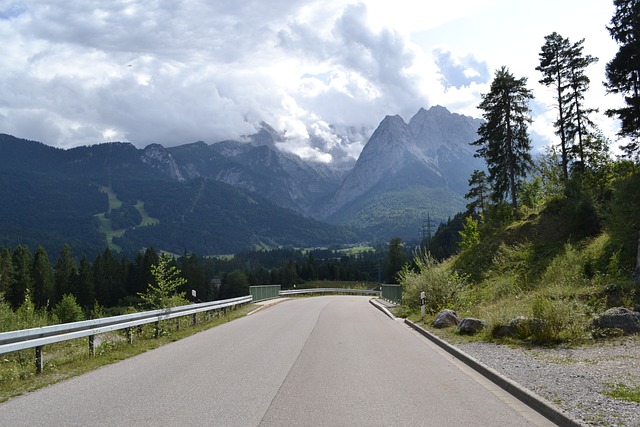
(322,72)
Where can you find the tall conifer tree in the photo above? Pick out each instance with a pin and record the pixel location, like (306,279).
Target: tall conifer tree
(623,71)
(22,261)
(554,67)
(65,274)
(43,279)
(563,65)
(504,141)
(581,125)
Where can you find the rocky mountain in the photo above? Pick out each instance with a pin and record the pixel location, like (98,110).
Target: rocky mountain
(233,195)
(406,172)
(257,166)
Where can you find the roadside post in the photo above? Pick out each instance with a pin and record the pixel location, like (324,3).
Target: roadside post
(423,299)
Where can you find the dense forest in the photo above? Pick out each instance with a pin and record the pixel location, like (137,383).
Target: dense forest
(114,282)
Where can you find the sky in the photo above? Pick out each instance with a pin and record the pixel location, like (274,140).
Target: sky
(323,72)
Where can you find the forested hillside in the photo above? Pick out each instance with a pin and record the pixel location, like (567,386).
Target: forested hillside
(113,195)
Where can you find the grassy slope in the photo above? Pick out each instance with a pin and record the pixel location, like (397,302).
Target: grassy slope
(105,223)
(541,266)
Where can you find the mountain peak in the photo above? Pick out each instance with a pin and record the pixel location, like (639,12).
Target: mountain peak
(265,136)
(158,157)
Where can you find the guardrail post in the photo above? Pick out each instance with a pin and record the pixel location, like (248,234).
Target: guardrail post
(157,329)
(39,359)
(177,323)
(130,335)
(195,319)
(92,347)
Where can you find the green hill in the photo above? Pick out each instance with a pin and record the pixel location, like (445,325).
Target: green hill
(564,261)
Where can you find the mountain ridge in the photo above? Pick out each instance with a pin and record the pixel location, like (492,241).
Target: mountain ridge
(406,171)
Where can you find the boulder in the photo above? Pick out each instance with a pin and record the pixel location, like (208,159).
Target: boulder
(446,318)
(471,326)
(520,327)
(620,318)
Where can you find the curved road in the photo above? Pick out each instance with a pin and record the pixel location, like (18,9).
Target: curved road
(333,360)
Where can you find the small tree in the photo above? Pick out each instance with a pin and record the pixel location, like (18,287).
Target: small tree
(470,234)
(163,292)
(478,192)
(68,310)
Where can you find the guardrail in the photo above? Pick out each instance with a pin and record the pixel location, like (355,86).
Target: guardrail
(329,291)
(39,337)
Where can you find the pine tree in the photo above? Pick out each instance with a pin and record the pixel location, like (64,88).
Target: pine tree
(22,261)
(65,274)
(478,192)
(85,285)
(554,66)
(581,124)
(7,273)
(504,142)
(562,65)
(396,259)
(43,279)
(623,71)
(109,279)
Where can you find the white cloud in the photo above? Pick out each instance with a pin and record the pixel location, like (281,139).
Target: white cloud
(326,72)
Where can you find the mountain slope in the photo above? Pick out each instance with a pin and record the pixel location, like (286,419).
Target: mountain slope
(406,172)
(259,167)
(78,196)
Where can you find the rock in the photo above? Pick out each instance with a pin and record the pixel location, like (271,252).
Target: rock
(620,318)
(520,327)
(446,318)
(471,326)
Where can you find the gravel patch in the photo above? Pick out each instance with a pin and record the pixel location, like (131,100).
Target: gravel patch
(573,378)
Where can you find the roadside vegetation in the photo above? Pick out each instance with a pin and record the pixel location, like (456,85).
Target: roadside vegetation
(550,241)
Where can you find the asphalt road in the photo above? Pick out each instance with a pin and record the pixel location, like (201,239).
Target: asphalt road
(332,361)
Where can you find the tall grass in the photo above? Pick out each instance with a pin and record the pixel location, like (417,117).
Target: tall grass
(440,284)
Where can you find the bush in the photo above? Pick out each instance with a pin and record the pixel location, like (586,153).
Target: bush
(566,269)
(440,285)
(561,319)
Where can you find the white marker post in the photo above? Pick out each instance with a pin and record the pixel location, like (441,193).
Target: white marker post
(423,299)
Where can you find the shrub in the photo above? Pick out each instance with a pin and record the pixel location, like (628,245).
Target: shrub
(561,319)
(440,285)
(566,269)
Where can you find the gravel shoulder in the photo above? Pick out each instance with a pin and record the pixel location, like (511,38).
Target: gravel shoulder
(573,378)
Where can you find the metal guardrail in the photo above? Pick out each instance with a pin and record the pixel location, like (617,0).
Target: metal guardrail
(38,337)
(329,291)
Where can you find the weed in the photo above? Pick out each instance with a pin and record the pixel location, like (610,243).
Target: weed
(623,392)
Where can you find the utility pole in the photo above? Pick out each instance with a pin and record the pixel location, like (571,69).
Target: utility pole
(426,231)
